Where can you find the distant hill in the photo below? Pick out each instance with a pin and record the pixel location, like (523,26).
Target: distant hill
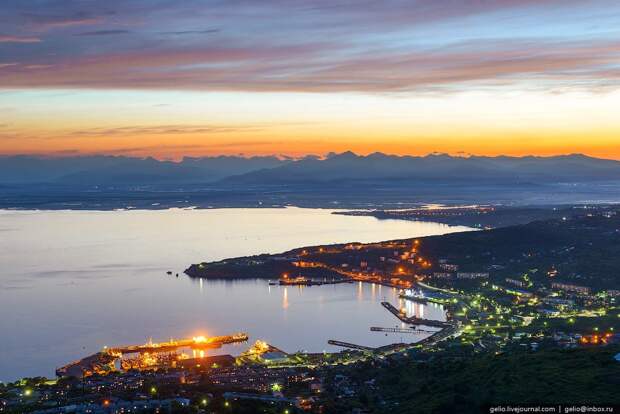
(349,167)
(343,180)
(336,168)
(117,170)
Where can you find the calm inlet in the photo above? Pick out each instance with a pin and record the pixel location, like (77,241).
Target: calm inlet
(75,281)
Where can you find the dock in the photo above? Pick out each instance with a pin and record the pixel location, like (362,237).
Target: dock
(103,362)
(439,336)
(350,345)
(414,320)
(198,342)
(400,330)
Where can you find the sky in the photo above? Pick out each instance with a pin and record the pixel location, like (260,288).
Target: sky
(169,78)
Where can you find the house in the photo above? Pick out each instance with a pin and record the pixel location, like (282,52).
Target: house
(472,275)
(571,288)
(515,282)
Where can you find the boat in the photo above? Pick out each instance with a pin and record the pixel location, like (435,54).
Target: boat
(299,280)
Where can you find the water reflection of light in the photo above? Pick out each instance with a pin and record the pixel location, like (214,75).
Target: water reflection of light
(198,353)
(200,283)
(412,308)
(360,291)
(373,291)
(428,310)
(407,305)
(285,298)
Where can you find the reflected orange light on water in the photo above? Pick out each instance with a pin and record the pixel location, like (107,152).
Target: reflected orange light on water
(285,298)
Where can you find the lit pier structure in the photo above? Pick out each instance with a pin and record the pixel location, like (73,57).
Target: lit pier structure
(350,345)
(105,361)
(197,342)
(263,353)
(425,297)
(414,320)
(400,330)
(448,328)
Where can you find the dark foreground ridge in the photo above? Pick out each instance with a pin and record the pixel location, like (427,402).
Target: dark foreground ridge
(457,383)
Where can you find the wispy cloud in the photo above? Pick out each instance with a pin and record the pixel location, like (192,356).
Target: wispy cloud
(191,32)
(320,46)
(308,68)
(103,33)
(163,130)
(18,39)
(150,148)
(60,20)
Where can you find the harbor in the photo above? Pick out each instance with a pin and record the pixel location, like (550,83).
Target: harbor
(413,320)
(149,355)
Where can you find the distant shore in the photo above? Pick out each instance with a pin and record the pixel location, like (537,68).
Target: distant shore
(489,216)
(477,216)
(496,254)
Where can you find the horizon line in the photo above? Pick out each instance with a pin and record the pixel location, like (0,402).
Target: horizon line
(285,157)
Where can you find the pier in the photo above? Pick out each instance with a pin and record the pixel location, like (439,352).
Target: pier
(350,345)
(413,320)
(440,335)
(400,330)
(103,362)
(197,342)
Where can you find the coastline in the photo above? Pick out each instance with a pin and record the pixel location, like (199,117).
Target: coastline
(496,253)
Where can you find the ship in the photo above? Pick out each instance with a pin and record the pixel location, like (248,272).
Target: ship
(299,280)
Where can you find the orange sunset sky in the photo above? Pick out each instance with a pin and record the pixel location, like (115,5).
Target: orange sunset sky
(170,79)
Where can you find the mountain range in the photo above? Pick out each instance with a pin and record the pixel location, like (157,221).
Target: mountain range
(120,170)
(349,167)
(334,169)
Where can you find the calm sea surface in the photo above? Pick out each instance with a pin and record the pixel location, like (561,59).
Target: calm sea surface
(74,281)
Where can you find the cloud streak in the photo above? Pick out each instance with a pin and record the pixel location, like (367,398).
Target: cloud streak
(306,68)
(163,130)
(18,39)
(191,32)
(324,46)
(103,33)
(55,21)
